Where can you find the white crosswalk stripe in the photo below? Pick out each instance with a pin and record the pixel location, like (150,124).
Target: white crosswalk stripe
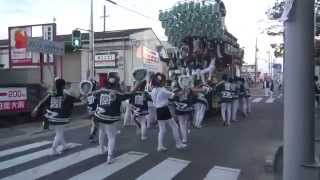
(170,166)
(223,173)
(270,100)
(56,165)
(166,169)
(29,157)
(256,100)
(267,100)
(105,170)
(23,148)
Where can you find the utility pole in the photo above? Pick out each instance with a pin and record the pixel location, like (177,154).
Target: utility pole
(256,61)
(91,64)
(104,17)
(299,121)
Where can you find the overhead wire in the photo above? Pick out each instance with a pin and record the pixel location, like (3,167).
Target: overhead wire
(132,10)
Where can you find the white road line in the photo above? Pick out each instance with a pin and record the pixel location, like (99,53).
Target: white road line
(166,170)
(222,173)
(29,157)
(54,166)
(23,148)
(270,100)
(105,170)
(256,100)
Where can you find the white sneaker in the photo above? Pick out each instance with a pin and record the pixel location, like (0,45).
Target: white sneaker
(66,147)
(54,152)
(161,149)
(110,160)
(181,146)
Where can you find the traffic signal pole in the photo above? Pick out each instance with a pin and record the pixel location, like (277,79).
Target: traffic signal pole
(92,53)
(299,121)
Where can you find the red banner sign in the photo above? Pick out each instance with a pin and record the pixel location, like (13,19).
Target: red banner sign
(13,106)
(13,99)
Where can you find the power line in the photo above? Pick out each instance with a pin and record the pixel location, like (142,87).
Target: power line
(131,10)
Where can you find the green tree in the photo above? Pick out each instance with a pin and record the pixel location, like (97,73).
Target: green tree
(274,13)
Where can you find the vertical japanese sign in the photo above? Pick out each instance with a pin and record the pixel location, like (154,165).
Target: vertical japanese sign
(13,99)
(47,34)
(18,46)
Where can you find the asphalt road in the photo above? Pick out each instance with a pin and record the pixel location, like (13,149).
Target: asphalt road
(242,147)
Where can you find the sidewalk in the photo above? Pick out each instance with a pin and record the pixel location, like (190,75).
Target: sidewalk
(34,129)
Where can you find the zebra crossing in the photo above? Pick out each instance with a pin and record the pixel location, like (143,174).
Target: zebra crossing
(266,100)
(166,169)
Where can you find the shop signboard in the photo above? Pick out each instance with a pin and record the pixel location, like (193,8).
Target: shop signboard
(13,99)
(105,60)
(149,57)
(18,37)
(45,46)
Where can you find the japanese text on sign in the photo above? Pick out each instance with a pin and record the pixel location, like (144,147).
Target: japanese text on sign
(13,99)
(12,106)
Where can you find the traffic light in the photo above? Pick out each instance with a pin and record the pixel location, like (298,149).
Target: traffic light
(76,39)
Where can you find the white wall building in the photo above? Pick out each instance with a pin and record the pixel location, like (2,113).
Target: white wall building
(116,51)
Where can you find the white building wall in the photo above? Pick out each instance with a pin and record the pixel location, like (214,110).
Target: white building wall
(147,39)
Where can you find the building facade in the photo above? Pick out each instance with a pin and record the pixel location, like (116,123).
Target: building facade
(115,51)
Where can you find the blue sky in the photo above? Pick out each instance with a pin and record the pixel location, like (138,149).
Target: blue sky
(241,20)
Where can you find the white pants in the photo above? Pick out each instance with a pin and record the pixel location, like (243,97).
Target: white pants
(226,112)
(266,91)
(127,115)
(162,131)
(59,137)
(94,126)
(109,131)
(270,93)
(246,105)
(199,112)
(235,107)
(183,123)
(143,122)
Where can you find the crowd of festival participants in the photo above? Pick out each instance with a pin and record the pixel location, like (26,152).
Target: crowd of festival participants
(182,106)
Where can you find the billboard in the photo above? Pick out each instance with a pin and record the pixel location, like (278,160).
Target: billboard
(150,58)
(18,36)
(13,99)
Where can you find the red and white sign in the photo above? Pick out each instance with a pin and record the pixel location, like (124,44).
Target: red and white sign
(13,99)
(18,46)
(150,58)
